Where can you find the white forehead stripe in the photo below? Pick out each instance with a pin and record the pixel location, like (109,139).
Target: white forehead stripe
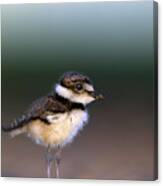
(88,87)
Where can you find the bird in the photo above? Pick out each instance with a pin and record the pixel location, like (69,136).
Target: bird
(54,120)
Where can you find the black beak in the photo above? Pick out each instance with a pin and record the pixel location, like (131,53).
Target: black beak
(97,97)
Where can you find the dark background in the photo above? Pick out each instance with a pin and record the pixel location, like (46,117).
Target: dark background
(111,42)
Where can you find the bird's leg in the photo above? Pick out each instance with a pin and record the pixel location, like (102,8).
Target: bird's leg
(49,160)
(57,160)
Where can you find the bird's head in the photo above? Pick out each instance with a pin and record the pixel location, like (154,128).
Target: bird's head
(77,88)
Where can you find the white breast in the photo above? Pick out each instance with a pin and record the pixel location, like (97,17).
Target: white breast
(66,126)
(77,119)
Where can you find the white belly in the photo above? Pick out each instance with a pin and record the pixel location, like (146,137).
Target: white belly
(72,125)
(62,130)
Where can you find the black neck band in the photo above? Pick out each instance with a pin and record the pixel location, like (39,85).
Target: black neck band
(70,105)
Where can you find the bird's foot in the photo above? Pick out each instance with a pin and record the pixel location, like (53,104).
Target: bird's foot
(49,157)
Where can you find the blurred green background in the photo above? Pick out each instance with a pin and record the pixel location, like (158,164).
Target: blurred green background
(112,43)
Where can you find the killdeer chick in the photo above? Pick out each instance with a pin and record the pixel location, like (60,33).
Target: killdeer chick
(54,120)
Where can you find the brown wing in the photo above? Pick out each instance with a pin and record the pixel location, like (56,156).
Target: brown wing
(38,110)
(44,105)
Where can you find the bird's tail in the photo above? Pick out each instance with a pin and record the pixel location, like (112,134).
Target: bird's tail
(6,129)
(16,126)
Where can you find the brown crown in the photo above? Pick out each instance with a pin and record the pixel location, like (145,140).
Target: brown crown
(69,78)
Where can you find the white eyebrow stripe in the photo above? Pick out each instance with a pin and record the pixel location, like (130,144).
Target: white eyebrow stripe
(88,87)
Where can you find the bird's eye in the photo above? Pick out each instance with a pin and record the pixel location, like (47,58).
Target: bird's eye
(79,86)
